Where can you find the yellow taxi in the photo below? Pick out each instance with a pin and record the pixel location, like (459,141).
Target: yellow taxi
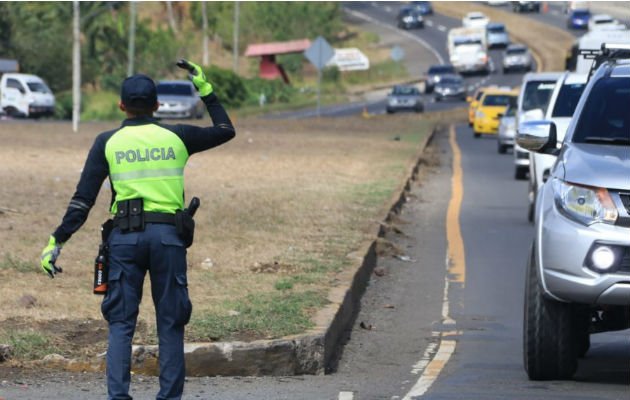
(473,103)
(492,103)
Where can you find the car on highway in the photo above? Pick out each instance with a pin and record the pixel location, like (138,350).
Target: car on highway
(424,7)
(516,57)
(409,18)
(578,19)
(404,97)
(435,73)
(562,103)
(536,90)
(493,102)
(600,22)
(178,99)
(525,6)
(450,87)
(475,19)
(578,270)
(507,129)
(497,35)
(473,103)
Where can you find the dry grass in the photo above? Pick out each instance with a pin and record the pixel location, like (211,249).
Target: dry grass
(549,42)
(301,194)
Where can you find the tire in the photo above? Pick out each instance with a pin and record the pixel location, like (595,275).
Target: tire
(419,109)
(390,111)
(549,346)
(477,135)
(501,149)
(520,173)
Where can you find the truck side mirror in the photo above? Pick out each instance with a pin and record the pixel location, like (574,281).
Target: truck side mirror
(538,136)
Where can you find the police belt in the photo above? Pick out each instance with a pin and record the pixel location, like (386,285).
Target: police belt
(151,218)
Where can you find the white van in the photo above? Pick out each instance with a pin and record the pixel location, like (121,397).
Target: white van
(24,95)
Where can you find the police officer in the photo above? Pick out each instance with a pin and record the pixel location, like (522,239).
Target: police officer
(145,163)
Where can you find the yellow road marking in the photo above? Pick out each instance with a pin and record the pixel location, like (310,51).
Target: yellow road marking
(455,243)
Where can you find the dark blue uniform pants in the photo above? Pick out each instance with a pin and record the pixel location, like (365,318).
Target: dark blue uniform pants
(159,250)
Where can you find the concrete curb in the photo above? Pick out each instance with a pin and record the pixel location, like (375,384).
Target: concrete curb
(309,353)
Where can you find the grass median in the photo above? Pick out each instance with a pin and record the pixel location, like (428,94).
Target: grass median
(283,205)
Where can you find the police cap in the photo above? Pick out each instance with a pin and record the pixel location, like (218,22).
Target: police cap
(138,91)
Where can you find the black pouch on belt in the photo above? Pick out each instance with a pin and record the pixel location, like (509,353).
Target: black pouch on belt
(130,215)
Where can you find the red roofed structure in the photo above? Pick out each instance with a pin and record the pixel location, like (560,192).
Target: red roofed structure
(268,51)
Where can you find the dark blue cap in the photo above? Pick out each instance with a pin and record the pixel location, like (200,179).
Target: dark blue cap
(138,91)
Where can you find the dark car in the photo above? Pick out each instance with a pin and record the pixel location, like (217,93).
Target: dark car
(424,7)
(178,99)
(521,6)
(409,18)
(450,87)
(578,19)
(435,73)
(404,97)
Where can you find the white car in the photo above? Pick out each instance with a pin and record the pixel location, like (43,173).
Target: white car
(475,19)
(533,98)
(25,95)
(603,22)
(562,103)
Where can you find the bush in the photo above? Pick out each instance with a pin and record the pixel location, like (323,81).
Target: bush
(331,74)
(101,106)
(276,91)
(228,86)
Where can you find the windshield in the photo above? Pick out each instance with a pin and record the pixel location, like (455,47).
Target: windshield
(510,111)
(402,90)
(567,100)
(475,16)
(451,80)
(605,114)
(516,51)
(603,21)
(581,14)
(174,89)
(496,29)
(497,100)
(479,94)
(537,94)
(38,87)
(443,69)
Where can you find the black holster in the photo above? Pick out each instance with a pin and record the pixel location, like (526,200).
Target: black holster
(185,225)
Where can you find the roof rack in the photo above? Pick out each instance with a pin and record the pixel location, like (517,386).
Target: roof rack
(608,52)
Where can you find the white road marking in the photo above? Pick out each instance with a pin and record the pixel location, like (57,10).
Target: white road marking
(403,33)
(430,374)
(428,22)
(441,28)
(345,396)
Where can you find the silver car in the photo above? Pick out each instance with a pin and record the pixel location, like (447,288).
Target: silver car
(507,129)
(404,97)
(516,58)
(496,35)
(578,274)
(178,99)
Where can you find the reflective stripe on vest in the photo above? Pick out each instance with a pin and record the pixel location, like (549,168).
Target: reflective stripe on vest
(147,161)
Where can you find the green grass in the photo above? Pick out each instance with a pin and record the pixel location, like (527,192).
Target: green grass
(269,315)
(27,344)
(10,262)
(101,106)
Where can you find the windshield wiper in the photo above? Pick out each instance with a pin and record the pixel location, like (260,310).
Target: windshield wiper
(607,140)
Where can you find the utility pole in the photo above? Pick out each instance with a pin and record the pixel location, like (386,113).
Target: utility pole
(236,10)
(171,17)
(132,36)
(76,68)
(205,59)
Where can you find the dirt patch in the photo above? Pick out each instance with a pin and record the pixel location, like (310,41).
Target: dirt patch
(296,197)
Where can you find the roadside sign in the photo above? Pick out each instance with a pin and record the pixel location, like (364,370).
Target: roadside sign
(319,53)
(397,53)
(350,59)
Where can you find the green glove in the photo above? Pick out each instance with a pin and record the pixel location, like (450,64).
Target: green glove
(49,257)
(197,76)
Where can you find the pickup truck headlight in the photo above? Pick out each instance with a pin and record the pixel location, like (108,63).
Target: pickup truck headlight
(584,204)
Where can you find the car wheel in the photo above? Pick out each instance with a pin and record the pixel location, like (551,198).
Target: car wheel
(549,347)
(520,173)
(437,98)
(419,109)
(501,148)
(476,134)
(390,111)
